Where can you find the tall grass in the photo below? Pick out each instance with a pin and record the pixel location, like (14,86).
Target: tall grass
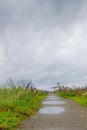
(17,104)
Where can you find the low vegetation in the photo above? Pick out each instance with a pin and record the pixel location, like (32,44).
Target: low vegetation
(17,104)
(78,95)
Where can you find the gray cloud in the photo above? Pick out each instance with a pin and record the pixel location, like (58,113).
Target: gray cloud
(44,41)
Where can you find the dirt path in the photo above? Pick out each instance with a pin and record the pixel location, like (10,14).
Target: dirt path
(70,116)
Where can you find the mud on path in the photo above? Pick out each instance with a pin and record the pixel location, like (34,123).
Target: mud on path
(57,114)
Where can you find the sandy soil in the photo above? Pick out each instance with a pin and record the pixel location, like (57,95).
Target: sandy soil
(74,117)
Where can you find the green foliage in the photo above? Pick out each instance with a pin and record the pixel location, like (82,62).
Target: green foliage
(67,93)
(16,104)
(79,95)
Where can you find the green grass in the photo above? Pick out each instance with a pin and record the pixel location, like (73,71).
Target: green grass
(79,96)
(17,104)
(80,100)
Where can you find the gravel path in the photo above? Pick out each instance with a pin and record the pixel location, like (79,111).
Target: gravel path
(71,117)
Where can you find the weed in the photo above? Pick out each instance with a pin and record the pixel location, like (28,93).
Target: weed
(16,104)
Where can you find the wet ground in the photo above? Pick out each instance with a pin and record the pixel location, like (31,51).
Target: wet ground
(51,106)
(57,114)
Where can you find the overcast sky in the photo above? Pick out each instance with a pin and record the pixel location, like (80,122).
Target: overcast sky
(44,40)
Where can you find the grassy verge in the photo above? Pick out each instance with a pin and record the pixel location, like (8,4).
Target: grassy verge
(17,104)
(79,96)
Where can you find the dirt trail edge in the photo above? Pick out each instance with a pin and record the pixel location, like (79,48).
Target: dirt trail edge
(73,116)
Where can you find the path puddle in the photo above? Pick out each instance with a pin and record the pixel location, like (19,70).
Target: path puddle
(50,105)
(53,102)
(51,110)
(52,98)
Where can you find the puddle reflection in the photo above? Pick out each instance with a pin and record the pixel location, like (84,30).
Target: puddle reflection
(53,102)
(51,110)
(52,98)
